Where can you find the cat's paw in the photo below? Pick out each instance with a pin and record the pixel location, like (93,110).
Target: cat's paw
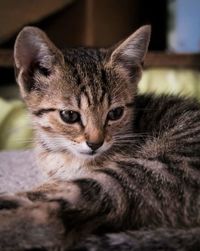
(60,192)
(8,202)
(58,197)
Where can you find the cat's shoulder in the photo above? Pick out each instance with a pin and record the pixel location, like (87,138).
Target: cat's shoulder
(146,101)
(165,111)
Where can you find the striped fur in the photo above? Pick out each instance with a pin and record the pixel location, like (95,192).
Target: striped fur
(139,190)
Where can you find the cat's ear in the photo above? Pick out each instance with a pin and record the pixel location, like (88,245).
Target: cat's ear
(34,53)
(131,52)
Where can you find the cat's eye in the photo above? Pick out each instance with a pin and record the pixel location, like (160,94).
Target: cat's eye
(69,116)
(115,113)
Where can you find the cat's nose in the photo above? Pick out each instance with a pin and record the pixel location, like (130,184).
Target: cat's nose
(94,146)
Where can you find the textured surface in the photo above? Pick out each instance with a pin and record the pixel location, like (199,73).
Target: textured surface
(18,171)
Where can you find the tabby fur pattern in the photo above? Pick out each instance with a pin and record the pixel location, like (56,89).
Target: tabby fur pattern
(123,170)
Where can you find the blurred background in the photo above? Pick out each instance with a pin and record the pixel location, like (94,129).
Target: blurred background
(172,64)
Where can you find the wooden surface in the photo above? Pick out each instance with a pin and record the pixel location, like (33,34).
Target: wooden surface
(15,14)
(6,58)
(157,59)
(153,59)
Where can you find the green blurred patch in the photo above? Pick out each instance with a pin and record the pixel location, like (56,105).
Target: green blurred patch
(15,128)
(169,81)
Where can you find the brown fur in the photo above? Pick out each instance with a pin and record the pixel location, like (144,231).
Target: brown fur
(138,171)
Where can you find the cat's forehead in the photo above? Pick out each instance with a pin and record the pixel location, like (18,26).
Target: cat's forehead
(86,73)
(84,57)
(85,64)
(88,79)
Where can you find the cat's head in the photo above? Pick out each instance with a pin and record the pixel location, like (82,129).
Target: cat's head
(81,100)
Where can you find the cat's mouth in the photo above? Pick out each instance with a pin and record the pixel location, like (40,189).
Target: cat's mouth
(89,153)
(86,152)
(92,153)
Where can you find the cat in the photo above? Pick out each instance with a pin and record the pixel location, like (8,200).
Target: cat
(123,169)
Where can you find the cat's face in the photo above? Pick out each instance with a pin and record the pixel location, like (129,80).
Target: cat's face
(82,100)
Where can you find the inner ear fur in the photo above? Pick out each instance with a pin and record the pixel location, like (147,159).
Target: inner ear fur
(129,54)
(34,52)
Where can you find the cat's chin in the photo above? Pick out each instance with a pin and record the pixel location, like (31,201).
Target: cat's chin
(88,154)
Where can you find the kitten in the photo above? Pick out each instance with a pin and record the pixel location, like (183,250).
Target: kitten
(121,166)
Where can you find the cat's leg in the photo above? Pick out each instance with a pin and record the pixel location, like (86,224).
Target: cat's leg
(9,202)
(57,190)
(75,208)
(149,240)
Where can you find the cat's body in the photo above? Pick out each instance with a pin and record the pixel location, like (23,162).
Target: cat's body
(116,161)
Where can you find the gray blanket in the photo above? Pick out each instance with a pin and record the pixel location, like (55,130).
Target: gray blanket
(18,171)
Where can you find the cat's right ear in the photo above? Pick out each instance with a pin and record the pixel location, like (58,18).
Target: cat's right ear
(34,53)
(129,55)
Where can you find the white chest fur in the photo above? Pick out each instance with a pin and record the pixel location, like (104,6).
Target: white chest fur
(62,166)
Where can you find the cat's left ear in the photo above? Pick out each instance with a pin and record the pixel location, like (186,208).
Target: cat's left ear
(131,52)
(34,56)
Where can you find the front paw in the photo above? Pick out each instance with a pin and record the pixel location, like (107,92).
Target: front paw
(61,192)
(8,202)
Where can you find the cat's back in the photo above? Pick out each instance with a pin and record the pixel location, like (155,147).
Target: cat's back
(170,137)
(161,114)
(166,163)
